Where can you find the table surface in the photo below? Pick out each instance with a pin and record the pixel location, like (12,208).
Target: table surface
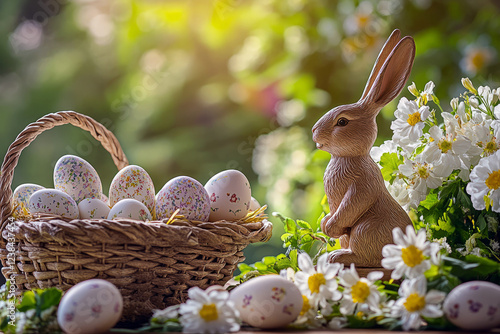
(343,331)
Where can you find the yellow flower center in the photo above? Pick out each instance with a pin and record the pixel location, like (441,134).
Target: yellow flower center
(478,59)
(493,180)
(360,291)
(414,302)
(315,281)
(423,172)
(490,147)
(412,256)
(444,145)
(306,306)
(209,312)
(413,118)
(363,20)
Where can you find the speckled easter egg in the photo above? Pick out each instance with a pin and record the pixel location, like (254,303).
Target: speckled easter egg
(53,201)
(93,208)
(21,198)
(230,195)
(77,178)
(130,208)
(474,306)
(90,307)
(133,182)
(268,301)
(186,194)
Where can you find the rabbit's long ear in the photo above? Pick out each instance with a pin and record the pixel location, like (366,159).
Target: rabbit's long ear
(384,53)
(393,75)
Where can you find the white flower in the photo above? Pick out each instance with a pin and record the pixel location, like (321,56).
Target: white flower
(420,174)
(495,246)
(309,315)
(447,152)
(484,183)
(409,255)
(387,147)
(210,312)
(399,191)
(359,291)
(171,312)
(410,119)
(476,57)
(320,283)
(415,302)
(337,323)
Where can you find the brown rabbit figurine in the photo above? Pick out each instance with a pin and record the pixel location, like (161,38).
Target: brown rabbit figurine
(362,211)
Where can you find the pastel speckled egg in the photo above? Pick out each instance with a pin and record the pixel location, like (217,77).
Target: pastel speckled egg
(474,306)
(230,195)
(186,194)
(130,208)
(77,178)
(54,202)
(90,307)
(93,208)
(133,182)
(268,301)
(21,198)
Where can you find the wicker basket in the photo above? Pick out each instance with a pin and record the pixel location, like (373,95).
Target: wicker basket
(153,264)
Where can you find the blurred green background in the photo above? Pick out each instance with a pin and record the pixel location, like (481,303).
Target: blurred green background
(196,87)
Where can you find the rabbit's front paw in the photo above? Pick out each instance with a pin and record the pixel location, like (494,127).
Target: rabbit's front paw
(334,230)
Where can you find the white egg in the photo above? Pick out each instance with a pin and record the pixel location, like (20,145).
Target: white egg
(77,178)
(254,204)
(133,182)
(130,208)
(93,208)
(230,195)
(54,202)
(474,305)
(186,194)
(90,307)
(267,301)
(21,197)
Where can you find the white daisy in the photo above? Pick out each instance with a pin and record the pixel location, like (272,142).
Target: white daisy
(410,119)
(409,255)
(420,174)
(399,191)
(484,183)
(446,152)
(319,283)
(359,291)
(210,312)
(309,315)
(171,312)
(416,302)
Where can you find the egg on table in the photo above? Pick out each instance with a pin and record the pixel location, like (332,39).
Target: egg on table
(21,198)
(474,305)
(54,202)
(93,208)
(133,182)
(186,194)
(90,307)
(131,209)
(230,195)
(268,301)
(77,178)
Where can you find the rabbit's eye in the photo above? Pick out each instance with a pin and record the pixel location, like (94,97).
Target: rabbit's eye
(342,121)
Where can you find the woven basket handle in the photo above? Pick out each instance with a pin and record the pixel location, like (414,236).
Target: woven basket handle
(97,130)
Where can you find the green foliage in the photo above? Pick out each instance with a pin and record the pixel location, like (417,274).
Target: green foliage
(299,237)
(390,163)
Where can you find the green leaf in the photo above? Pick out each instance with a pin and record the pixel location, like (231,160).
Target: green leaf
(293,258)
(50,297)
(269,260)
(286,237)
(290,226)
(390,163)
(431,200)
(481,223)
(304,225)
(28,302)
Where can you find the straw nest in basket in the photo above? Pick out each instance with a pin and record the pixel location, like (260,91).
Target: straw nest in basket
(153,264)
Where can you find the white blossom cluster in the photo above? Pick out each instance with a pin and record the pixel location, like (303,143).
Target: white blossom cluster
(464,145)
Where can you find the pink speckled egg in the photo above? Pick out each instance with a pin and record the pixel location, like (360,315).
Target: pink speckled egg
(230,195)
(186,194)
(21,197)
(133,182)
(77,178)
(54,202)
